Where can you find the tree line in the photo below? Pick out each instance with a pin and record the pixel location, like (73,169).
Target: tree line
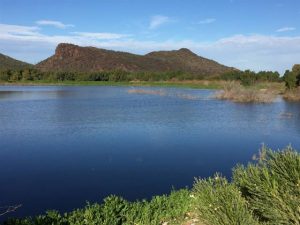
(247,77)
(31,74)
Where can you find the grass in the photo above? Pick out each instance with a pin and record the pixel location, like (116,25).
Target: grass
(162,92)
(260,93)
(197,84)
(265,192)
(292,95)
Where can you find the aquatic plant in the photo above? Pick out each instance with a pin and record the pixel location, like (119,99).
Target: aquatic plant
(292,94)
(234,91)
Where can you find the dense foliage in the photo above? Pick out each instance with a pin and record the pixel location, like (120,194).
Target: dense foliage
(29,74)
(292,78)
(248,77)
(219,202)
(263,193)
(115,75)
(272,186)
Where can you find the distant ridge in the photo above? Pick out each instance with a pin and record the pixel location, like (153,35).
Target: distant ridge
(8,63)
(69,57)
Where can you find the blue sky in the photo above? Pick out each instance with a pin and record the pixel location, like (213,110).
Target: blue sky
(247,34)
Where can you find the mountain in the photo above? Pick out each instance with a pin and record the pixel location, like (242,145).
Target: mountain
(7,62)
(69,57)
(185,60)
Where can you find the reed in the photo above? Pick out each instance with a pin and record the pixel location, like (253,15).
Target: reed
(292,95)
(235,92)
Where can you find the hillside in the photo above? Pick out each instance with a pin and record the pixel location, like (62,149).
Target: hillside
(69,57)
(7,62)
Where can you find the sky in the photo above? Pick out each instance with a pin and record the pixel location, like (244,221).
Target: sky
(246,34)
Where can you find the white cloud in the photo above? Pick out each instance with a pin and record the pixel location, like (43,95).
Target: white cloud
(100,36)
(207,21)
(53,23)
(158,20)
(256,52)
(18,30)
(285,29)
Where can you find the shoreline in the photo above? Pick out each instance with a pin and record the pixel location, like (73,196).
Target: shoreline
(202,84)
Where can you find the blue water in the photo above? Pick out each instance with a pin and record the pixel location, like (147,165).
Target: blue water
(63,146)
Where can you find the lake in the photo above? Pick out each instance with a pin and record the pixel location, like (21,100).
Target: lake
(63,146)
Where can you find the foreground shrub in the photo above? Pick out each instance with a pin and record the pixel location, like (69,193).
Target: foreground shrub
(221,203)
(117,211)
(272,186)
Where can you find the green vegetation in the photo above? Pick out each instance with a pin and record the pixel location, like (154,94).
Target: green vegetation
(113,76)
(247,77)
(29,74)
(272,186)
(265,192)
(292,83)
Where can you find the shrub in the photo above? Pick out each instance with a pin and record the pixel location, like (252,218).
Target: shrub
(117,211)
(221,203)
(290,80)
(272,186)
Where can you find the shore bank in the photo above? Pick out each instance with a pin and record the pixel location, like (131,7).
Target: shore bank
(197,84)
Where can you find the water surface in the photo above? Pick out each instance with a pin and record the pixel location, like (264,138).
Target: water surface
(63,146)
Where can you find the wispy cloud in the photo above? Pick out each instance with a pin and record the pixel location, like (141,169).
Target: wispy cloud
(158,20)
(285,29)
(53,23)
(18,30)
(101,36)
(207,21)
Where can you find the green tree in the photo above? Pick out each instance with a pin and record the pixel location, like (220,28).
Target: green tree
(5,75)
(290,79)
(26,74)
(296,71)
(15,76)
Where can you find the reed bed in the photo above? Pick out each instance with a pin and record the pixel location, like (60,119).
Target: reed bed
(235,92)
(147,92)
(292,95)
(163,93)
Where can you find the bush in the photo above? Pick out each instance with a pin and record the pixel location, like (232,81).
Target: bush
(117,211)
(221,203)
(290,80)
(272,186)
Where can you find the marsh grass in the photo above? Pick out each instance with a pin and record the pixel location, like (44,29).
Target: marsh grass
(196,84)
(235,92)
(292,95)
(163,93)
(147,92)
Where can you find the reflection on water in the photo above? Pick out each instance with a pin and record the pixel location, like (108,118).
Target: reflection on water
(31,95)
(62,146)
